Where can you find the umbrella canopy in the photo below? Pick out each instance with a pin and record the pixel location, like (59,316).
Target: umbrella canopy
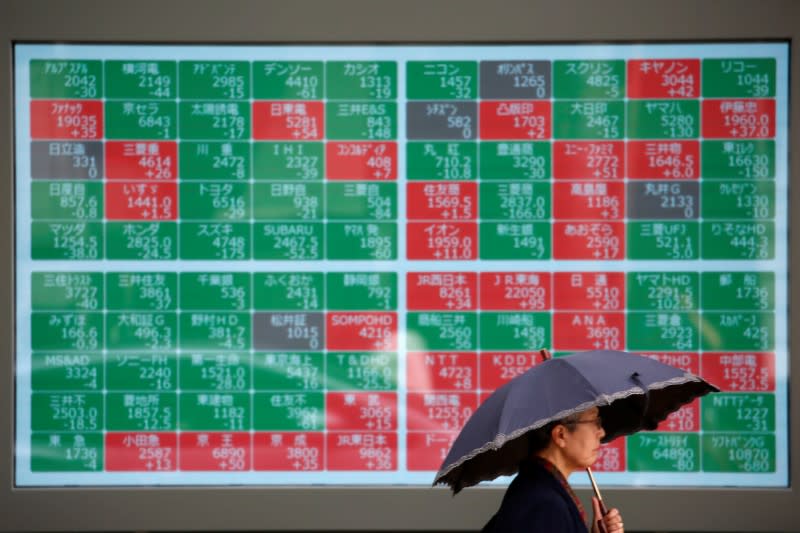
(633,393)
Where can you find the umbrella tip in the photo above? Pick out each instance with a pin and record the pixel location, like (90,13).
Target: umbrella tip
(545,353)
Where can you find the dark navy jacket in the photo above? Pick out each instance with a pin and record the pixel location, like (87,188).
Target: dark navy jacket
(536,502)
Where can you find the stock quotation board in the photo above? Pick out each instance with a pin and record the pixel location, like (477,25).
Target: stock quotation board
(310,264)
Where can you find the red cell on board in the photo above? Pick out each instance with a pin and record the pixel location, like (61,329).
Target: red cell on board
(441,291)
(373,451)
(739,119)
(663,78)
(664,160)
(514,291)
(215,451)
(498,368)
(143,201)
(611,457)
(588,330)
(141,452)
(597,241)
(361,331)
(437,200)
(588,160)
(516,119)
(442,241)
(363,161)
(588,200)
(687,418)
(289,451)
(442,371)
(66,119)
(589,291)
(288,120)
(361,411)
(425,451)
(686,361)
(740,372)
(439,411)
(141,160)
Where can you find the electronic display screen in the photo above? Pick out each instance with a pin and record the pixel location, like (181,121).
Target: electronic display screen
(296,265)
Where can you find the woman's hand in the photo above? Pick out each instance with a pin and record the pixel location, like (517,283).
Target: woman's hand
(612,520)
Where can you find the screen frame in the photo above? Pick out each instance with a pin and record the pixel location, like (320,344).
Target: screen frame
(400,508)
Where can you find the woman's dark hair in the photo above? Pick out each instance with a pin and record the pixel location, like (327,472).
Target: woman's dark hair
(539,439)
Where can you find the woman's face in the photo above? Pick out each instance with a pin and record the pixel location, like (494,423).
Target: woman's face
(582,440)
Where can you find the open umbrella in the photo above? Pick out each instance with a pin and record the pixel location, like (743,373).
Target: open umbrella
(632,392)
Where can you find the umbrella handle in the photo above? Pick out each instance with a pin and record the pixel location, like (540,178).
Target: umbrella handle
(603,509)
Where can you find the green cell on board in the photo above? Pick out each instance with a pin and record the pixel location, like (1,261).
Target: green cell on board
(515,240)
(288,241)
(662,291)
(67,240)
(288,200)
(137,330)
(441,80)
(515,201)
(288,80)
(742,200)
(734,239)
(68,291)
(738,291)
(441,331)
(509,160)
(214,80)
(141,119)
(288,161)
(520,331)
(743,77)
(67,200)
(361,371)
(663,331)
(664,452)
(731,159)
(218,201)
(67,411)
(361,80)
(361,240)
(215,331)
(148,241)
(371,121)
(588,78)
(214,160)
(142,291)
(283,291)
(212,240)
(141,411)
(441,160)
(664,240)
(215,411)
(141,80)
(738,331)
(588,119)
(663,119)
(289,411)
(218,291)
(63,78)
(361,201)
(57,331)
(288,371)
(67,371)
(214,121)
(741,412)
(739,453)
(67,452)
(361,291)
(215,371)
(149,371)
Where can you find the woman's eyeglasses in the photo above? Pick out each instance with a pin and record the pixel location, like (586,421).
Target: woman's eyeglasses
(597,421)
